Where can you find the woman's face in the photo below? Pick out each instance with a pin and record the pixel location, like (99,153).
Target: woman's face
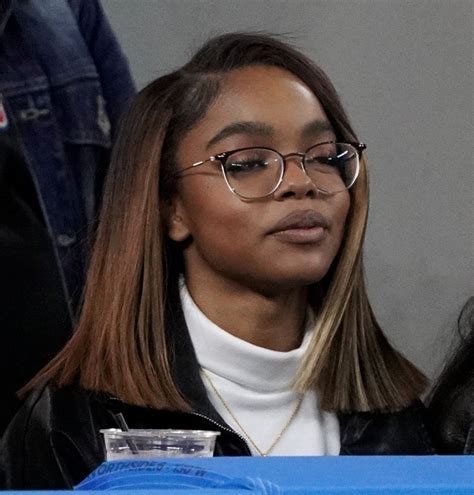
(283,241)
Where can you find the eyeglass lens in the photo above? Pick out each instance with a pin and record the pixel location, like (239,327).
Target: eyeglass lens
(256,172)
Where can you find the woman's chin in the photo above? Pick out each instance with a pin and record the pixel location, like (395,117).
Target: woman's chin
(292,280)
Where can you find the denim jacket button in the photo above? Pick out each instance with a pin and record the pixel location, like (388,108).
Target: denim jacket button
(65,240)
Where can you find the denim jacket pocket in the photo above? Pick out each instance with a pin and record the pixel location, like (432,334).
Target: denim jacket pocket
(81,110)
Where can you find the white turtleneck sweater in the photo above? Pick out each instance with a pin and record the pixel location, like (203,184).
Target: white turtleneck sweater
(256,383)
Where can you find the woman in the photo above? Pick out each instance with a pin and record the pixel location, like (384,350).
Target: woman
(226,288)
(452,400)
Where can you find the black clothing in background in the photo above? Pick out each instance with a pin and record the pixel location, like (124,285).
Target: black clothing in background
(34,316)
(451,407)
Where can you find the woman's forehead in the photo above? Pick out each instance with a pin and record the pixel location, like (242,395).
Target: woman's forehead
(255,89)
(262,101)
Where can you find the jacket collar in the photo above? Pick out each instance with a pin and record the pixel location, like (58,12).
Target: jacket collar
(184,363)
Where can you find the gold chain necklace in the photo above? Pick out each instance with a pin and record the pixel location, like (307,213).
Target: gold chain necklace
(261,452)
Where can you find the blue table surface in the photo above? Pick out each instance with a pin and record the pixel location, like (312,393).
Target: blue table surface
(387,475)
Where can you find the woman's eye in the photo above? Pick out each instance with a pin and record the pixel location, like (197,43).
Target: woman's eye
(246,166)
(331,160)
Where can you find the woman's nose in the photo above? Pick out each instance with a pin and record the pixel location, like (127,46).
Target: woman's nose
(296,183)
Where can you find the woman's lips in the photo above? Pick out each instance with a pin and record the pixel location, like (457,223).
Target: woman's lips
(302,235)
(307,226)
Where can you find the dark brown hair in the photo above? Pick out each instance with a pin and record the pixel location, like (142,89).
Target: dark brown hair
(120,347)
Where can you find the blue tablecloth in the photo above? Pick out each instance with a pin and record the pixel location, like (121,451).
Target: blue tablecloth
(387,475)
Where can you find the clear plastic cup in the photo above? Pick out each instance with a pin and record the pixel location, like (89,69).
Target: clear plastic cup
(139,444)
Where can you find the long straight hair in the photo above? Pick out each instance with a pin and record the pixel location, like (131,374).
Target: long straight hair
(120,347)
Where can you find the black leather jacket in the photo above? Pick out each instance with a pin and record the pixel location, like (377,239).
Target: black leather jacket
(54,440)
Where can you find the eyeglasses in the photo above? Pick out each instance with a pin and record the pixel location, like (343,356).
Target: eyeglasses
(254,173)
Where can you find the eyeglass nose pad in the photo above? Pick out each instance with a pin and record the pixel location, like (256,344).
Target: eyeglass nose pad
(301,157)
(296,156)
(301,162)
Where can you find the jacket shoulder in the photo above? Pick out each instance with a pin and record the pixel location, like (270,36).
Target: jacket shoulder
(52,442)
(404,432)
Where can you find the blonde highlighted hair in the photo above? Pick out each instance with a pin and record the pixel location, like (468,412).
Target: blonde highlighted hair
(120,345)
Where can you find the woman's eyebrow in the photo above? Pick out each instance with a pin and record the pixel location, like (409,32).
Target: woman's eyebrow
(316,127)
(260,129)
(253,128)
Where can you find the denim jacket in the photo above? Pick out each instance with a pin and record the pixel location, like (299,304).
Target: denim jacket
(63,84)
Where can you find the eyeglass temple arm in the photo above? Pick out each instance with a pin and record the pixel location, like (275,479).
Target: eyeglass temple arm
(213,158)
(360,147)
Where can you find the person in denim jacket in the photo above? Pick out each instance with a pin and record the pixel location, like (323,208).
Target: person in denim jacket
(64,82)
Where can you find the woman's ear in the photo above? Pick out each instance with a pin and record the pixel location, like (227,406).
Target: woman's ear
(176,222)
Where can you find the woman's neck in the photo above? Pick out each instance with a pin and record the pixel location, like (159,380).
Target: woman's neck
(274,321)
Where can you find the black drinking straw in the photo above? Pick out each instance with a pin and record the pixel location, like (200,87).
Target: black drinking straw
(124,427)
